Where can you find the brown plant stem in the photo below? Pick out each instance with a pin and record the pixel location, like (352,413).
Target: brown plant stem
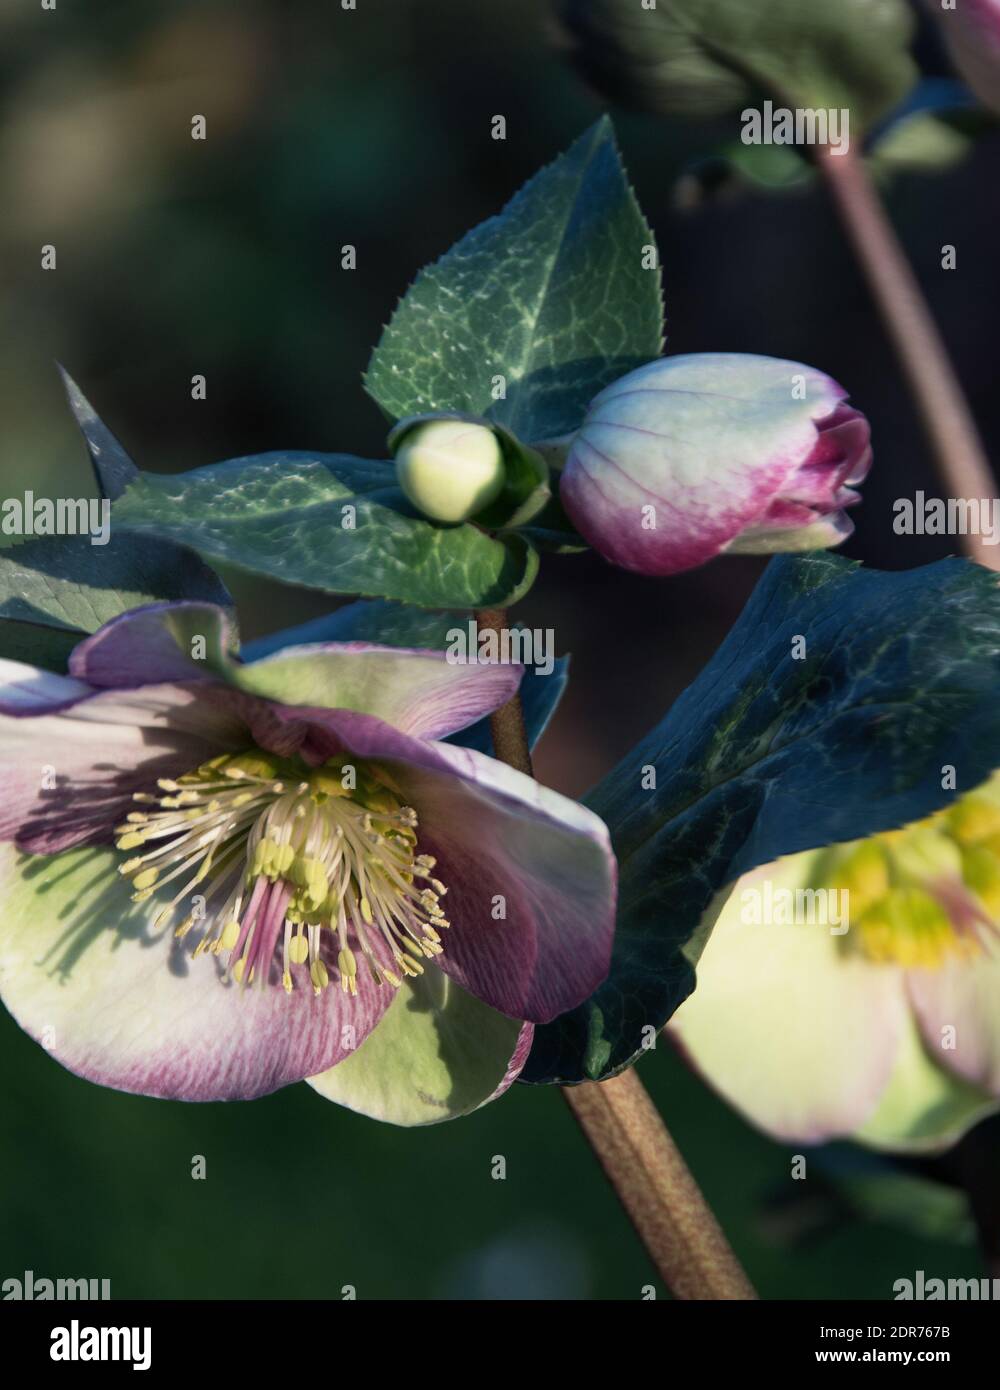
(959,451)
(510,737)
(622,1126)
(657,1189)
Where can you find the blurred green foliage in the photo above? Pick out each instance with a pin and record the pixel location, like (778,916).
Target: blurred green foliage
(302,1198)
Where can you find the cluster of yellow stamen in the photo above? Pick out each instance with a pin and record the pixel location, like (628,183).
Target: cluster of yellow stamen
(291,867)
(929,893)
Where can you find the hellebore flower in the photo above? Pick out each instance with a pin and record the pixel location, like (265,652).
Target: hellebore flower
(286,832)
(972,34)
(881,1024)
(450,469)
(695,456)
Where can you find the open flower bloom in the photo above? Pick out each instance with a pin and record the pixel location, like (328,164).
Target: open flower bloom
(222,878)
(692,457)
(855,991)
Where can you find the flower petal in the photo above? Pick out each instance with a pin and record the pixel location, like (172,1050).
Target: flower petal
(159,643)
(964,996)
(924,1108)
(421,692)
(842,455)
(501,839)
(814,533)
(125,1006)
(424,693)
(796,1034)
(28,689)
(503,843)
(438,1053)
(69,774)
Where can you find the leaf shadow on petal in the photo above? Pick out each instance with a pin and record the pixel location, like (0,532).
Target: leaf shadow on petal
(85,813)
(84,926)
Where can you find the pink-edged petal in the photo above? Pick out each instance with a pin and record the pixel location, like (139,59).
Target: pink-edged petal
(796,1033)
(424,693)
(842,454)
(515,1062)
(958,1008)
(438,1053)
(28,689)
(126,1006)
(69,774)
(504,844)
(156,645)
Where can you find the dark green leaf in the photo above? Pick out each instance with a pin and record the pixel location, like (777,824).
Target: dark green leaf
(54,590)
(551,295)
(66,584)
(526,489)
(765,755)
(331,522)
(113,468)
(37,645)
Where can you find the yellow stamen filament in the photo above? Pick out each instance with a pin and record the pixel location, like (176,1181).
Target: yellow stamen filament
(296,871)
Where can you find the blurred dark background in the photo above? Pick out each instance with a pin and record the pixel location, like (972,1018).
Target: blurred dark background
(222,257)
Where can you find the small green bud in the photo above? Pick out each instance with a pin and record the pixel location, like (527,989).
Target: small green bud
(450,469)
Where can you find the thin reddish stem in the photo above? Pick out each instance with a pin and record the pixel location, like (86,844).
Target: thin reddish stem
(959,451)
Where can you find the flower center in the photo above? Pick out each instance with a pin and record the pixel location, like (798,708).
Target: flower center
(295,866)
(928,893)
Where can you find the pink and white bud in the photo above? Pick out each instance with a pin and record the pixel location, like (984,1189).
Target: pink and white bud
(695,456)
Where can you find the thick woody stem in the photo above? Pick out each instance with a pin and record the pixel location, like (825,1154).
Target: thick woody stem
(656,1188)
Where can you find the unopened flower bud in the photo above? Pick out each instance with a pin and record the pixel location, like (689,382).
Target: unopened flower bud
(450,469)
(692,456)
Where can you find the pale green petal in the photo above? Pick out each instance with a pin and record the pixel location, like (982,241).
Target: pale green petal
(924,1108)
(122,1003)
(420,692)
(795,1032)
(423,693)
(437,1053)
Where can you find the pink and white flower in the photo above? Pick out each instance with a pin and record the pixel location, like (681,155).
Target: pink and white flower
(222,878)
